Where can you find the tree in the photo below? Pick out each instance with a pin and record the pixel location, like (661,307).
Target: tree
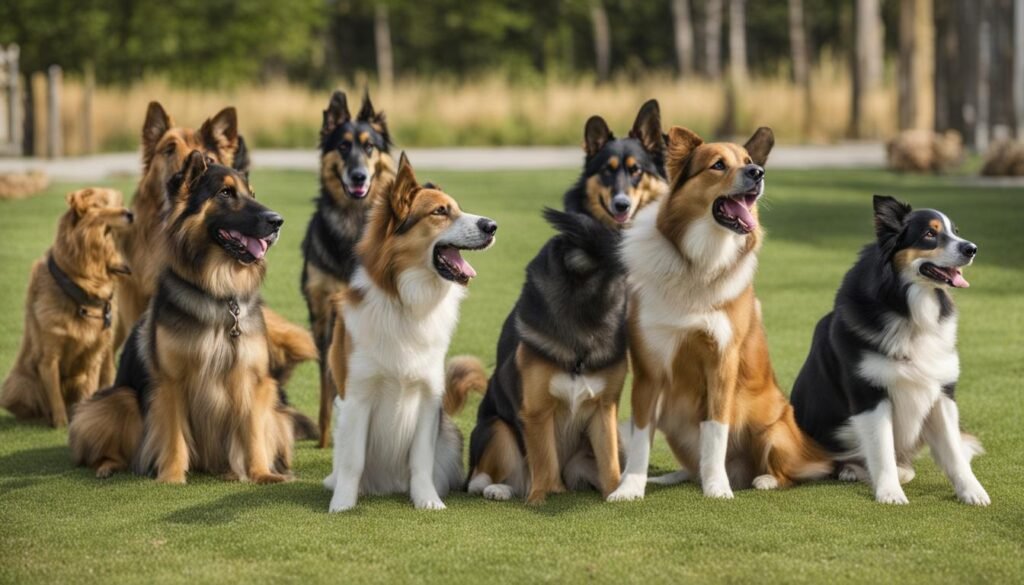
(683,27)
(867,59)
(915,80)
(382,42)
(602,40)
(801,61)
(738,42)
(713,39)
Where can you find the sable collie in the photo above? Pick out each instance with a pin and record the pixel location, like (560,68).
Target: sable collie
(164,149)
(67,351)
(392,329)
(549,418)
(193,391)
(697,344)
(878,382)
(355,162)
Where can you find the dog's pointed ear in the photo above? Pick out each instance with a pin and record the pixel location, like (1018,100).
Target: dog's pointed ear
(220,133)
(403,188)
(681,144)
(889,216)
(183,181)
(760,145)
(366,112)
(336,113)
(79,200)
(647,128)
(595,135)
(374,118)
(153,129)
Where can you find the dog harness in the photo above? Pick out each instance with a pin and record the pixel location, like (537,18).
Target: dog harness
(77,294)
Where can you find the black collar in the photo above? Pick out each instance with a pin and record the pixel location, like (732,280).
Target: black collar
(77,294)
(233,305)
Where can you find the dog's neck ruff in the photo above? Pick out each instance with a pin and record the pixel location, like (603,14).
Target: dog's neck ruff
(179,287)
(76,293)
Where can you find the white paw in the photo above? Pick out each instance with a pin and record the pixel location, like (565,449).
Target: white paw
(974,496)
(498,492)
(341,503)
(905,474)
(891,495)
(329,482)
(766,482)
(478,483)
(847,473)
(429,504)
(630,488)
(717,488)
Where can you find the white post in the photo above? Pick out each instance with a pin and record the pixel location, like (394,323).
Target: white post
(54,137)
(1018,66)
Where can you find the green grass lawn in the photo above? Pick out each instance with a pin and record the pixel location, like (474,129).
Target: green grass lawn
(59,524)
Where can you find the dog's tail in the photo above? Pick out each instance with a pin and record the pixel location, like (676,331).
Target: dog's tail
(971,446)
(106,431)
(791,455)
(288,345)
(586,233)
(463,374)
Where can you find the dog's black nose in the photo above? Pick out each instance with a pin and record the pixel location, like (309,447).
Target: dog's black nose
(968,249)
(358,177)
(274,219)
(621,204)
(130,216)
(755,172)
(487,226)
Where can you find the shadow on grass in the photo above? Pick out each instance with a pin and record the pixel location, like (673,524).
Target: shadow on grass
(35,462)
(227,509)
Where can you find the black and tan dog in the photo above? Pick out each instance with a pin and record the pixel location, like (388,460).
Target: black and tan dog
(67,351)
(354,164)
(548,419)
(193,391)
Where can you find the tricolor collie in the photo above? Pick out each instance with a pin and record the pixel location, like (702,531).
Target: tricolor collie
(193,391)
(548,421)
(355,163)
(878,383)
(700,359)
(392,328)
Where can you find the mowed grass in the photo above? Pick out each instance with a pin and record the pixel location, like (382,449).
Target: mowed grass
(59,524)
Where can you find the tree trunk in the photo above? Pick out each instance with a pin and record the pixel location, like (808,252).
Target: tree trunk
(738,42)
(382,40)
(683,26)
(713,39)
(798,42)
(1018,66)
(602,40)
(869,43)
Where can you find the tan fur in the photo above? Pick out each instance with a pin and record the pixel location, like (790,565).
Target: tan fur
(599,197)
(65,356)
(106,434)
(735,384)
(463,374)
(923,151)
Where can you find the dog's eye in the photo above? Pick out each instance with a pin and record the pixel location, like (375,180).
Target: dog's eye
(719,165)
(930,234)
(368,147)
(440,211)
(170,149)
(225,193)
(634,170)
(345,147)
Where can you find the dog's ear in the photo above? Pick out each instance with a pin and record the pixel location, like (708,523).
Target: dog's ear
(220,133)
(336,113)
(80,200)
(647,128)
(374,118)
(889,216)
(153,129)
(402,189)
(760,144)
(184,180)
(681,144)
(595,135)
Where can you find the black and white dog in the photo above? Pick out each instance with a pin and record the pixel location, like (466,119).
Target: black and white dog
(879,380)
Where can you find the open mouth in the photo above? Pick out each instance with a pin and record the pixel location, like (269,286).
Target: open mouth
(948,275)
(245,249)
(450,264)
(621,217)
(353,191)
(733,212)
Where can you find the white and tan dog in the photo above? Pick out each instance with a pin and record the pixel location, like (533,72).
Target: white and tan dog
(393,328)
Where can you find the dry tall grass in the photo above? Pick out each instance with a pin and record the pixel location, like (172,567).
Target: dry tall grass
(487,111)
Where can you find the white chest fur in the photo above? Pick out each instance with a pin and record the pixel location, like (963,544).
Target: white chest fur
(575,390)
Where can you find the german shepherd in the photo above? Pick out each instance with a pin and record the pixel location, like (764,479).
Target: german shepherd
(67,351)
(391,333)
(878,383)
(164,149)
(697,344)
(355,162)
(548,420)
(193,390)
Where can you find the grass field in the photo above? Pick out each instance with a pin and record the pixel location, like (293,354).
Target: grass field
(60,525)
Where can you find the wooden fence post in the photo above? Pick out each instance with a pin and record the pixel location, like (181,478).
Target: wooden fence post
(54,138)
(89,86)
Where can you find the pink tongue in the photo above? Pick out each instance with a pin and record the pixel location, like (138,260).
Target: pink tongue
(454,258)
(959,281)
(256,246)
(737,209)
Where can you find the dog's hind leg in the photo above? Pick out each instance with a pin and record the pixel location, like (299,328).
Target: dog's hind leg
(49,374)
(106,431)
(500,474)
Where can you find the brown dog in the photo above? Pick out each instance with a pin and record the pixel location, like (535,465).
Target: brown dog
(194,391)
(697,344)
(67,348)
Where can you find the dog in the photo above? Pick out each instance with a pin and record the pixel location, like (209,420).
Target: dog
(392,328)
(193,391)
(355,161)
(924,151)
(164,149)
(879,379)
(697,344)
(67,350)
(548,420)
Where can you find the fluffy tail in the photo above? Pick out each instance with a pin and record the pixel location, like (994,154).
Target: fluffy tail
(288,345)
(463,374)
(791,455)
(587,234)
(971,446)
(106,431)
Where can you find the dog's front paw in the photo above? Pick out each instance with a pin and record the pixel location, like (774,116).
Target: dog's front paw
(341,503)
(766,482)
(59,420)
(717,488)
(498,492)
(329,482)
(268,478)
(171,478)
(891,495)
(905,474)
(973,495)
(434,503)
(631,488)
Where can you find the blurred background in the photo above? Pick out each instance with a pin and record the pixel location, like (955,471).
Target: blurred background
(75,75)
